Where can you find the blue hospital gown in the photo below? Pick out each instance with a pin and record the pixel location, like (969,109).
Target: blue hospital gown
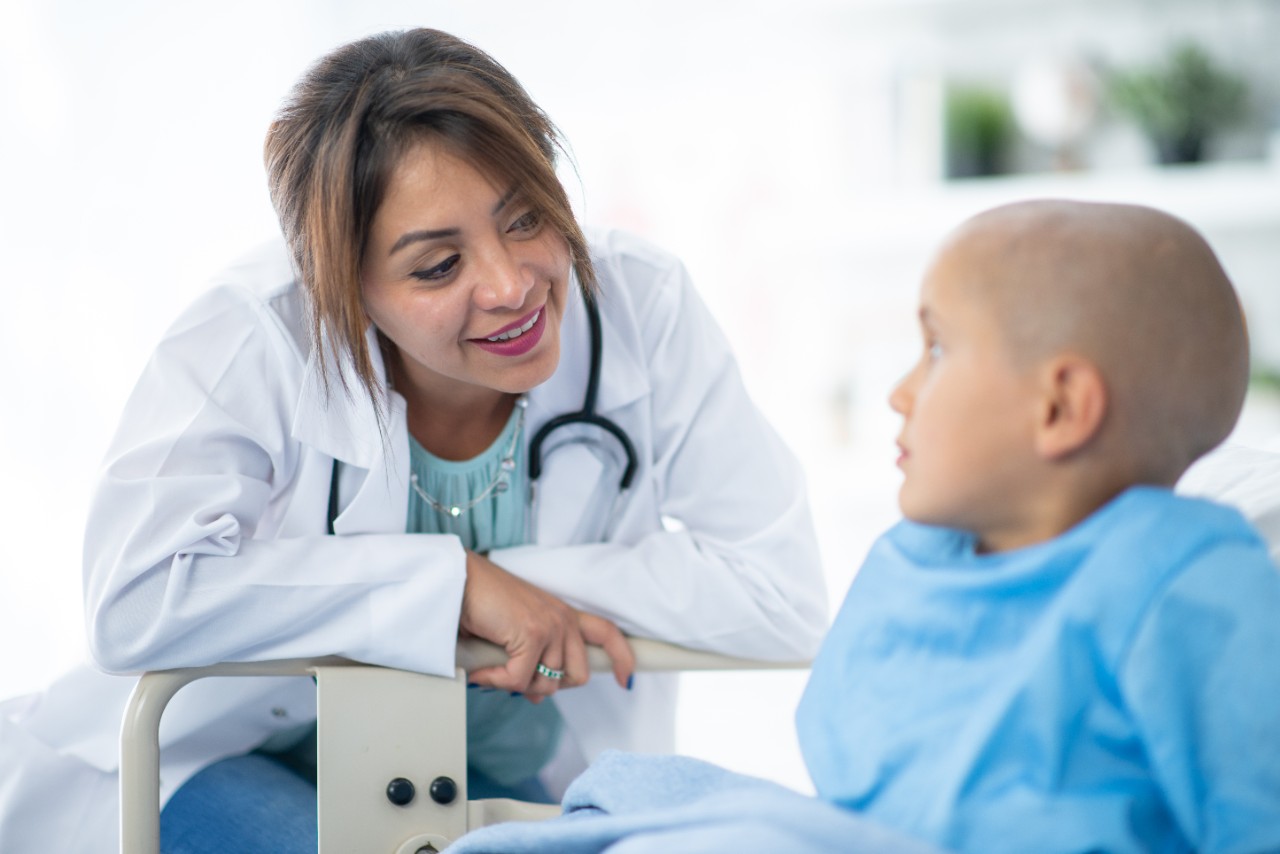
(1114,689)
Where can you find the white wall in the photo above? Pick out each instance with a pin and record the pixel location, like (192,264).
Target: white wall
(761,141)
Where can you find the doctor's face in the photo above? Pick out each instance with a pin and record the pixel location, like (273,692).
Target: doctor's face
(464,277)
(967,440)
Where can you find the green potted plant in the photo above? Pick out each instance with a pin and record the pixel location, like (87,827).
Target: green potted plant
(1181,102)
(978,127)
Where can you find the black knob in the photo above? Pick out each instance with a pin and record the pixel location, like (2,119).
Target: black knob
(443,790)
(400,791)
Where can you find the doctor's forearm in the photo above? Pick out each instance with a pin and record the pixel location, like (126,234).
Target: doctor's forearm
(669,589)
(384,599)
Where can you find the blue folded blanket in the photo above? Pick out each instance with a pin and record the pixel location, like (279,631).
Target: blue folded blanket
(627,803)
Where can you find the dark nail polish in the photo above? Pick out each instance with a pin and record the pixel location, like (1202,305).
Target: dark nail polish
(631,681)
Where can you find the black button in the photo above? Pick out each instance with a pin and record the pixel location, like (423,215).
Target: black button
(400,791)
(443,790)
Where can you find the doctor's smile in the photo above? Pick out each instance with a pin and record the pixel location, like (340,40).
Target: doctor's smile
(515,339)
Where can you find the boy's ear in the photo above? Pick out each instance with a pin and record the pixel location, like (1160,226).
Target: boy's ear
(1073,403)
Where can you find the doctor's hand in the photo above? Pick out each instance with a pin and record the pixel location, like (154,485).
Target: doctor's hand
(535,628)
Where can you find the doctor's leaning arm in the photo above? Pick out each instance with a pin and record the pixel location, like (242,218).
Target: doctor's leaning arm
(436,408)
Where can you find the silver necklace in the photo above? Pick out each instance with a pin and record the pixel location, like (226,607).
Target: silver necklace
(501,481)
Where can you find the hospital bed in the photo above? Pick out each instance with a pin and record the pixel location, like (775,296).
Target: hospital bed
(385,782)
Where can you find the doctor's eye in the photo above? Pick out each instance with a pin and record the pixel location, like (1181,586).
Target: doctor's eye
(439,271)
(526,224)
(934,350)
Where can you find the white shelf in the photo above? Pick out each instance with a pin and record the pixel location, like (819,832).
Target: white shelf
(1216,198)
(1236,205)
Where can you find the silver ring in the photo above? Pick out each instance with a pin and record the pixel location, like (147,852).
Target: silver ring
(549,672)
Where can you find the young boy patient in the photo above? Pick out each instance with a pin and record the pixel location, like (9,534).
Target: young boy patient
(1054,652)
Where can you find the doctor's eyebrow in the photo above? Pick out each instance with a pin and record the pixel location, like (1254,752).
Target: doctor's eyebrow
(435,234)
(415,236)
(502,202)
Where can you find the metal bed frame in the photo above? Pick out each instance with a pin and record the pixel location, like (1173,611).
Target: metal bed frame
(386,782)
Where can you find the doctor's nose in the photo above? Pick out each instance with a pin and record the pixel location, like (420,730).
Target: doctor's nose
(504,283)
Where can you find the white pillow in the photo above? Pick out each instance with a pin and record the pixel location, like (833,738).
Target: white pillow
(1246,478)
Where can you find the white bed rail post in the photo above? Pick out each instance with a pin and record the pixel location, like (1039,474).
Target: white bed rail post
(392,760)
(140,741)
(140,761)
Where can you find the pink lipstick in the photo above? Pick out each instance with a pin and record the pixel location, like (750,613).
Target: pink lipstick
(518,338)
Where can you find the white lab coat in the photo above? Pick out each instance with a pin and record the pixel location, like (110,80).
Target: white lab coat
(206,540)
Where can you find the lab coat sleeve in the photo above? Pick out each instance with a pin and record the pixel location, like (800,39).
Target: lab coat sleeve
(188,560)
(1202,679)
(743,577)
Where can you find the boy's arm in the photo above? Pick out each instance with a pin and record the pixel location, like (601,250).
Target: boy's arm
(1202,679)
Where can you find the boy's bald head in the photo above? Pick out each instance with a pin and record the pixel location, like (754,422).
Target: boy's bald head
(1137,292)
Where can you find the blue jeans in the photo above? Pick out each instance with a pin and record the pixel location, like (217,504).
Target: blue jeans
(264,804)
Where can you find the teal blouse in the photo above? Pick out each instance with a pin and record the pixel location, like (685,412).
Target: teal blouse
(508,738)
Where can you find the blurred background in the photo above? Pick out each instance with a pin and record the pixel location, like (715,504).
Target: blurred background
(803,158)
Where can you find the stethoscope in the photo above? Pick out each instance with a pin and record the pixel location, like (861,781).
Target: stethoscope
(586,415)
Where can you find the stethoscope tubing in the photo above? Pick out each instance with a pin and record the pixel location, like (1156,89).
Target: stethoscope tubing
(587,414)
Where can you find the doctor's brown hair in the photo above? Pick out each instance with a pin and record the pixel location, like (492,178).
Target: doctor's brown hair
(340,134)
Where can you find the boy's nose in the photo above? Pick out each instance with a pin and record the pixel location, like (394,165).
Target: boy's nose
(901,396)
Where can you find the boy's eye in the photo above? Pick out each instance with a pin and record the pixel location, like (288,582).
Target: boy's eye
(439,271)
(527,223)
(935,351)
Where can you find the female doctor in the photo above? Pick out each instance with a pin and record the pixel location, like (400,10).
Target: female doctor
(332,452)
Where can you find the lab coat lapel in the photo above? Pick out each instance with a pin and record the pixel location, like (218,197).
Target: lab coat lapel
(343,425)
(574,503)
(623,378)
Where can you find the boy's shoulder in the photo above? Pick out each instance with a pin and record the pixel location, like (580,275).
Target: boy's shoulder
(1154,536)
(1244,477)
(1107,570)
(1166,526)
(1179,524)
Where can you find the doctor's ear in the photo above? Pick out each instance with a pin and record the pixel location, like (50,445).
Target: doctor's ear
(1072,404)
